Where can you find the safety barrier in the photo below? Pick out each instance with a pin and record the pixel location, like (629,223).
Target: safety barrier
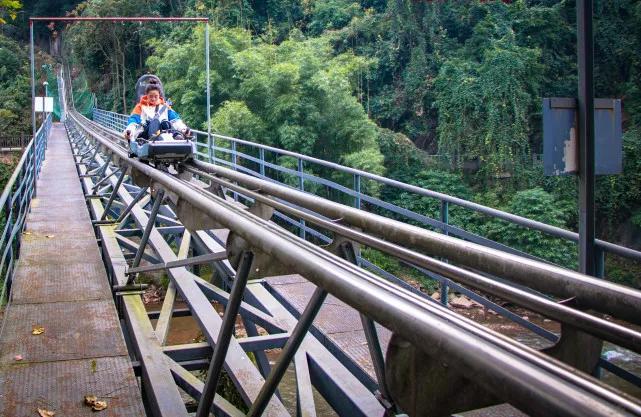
(268,162)
(275,164)
(15,203)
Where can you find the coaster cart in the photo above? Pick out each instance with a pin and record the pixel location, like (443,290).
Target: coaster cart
(164,144)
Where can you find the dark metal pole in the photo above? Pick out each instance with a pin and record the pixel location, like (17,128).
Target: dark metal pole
(294,341)
(145,237)
(225,335)
(131,205)
(33,109)
(114,193)
(585,52)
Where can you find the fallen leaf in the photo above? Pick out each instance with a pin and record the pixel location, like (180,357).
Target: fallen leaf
(46,413)
(17,358)
(38,330)
(99,405)
(90,399)
(93,366)
(27,233)
(50,236)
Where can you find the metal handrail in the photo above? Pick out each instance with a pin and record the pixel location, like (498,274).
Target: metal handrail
(117,121)
(15,202)
(526,377)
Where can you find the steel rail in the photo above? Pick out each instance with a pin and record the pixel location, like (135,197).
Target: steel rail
(605,329)
(480,331)
(504,342)
(590,292)
(499,214)
(199,304)
(599,327)
(532,356)
(515,380)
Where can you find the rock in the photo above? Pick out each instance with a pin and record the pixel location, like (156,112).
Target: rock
(525,318)
(462,302)
(436,295)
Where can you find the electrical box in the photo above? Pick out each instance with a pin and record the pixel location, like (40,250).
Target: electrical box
(560,136)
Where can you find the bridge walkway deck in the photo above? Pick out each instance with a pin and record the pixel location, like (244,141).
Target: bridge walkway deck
(61,286)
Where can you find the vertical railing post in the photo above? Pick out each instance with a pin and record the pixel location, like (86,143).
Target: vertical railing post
(261,155)
(301,186)
(357,189)
(585,125)
(209,138)
(445,218)
(599,262)
(234,163)
(33,104)
(234,160)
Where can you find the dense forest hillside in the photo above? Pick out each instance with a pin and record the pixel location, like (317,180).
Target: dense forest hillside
(444,95)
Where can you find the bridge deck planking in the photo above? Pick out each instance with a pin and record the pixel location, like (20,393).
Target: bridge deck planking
(61,285)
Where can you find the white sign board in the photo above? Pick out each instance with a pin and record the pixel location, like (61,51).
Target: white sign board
(47,107)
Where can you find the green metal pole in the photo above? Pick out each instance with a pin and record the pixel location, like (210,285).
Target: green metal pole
(33,108)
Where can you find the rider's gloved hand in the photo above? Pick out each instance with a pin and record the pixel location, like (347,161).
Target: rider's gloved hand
(130,130)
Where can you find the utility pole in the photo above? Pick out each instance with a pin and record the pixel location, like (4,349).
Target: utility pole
(585,57)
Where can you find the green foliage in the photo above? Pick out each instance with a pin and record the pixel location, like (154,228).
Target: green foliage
(9,8)
(535,204)
(7,167)
(484,109)
(332,14)
(618,197)
(295,95)
(111,53)
(235,119)
(15,91)
(438,181)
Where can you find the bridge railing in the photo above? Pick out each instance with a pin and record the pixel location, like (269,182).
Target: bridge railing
(14,142)
(301,171)
(15,202)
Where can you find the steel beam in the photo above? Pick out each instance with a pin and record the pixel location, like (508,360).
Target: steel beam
(597,294)
(585,58)
(225,335)
(533,382)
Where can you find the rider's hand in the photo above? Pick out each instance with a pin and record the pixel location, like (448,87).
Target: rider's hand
(128,134)
(187,132)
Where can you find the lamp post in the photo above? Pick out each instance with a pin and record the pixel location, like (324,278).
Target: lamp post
(44,101)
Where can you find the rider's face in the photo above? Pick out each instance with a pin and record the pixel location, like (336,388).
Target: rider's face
(153,97)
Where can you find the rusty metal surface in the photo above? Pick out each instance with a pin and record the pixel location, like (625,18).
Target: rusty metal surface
(34,284)
(61,285)
(338,322)
(41,250)
(61,387)
(73,330)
